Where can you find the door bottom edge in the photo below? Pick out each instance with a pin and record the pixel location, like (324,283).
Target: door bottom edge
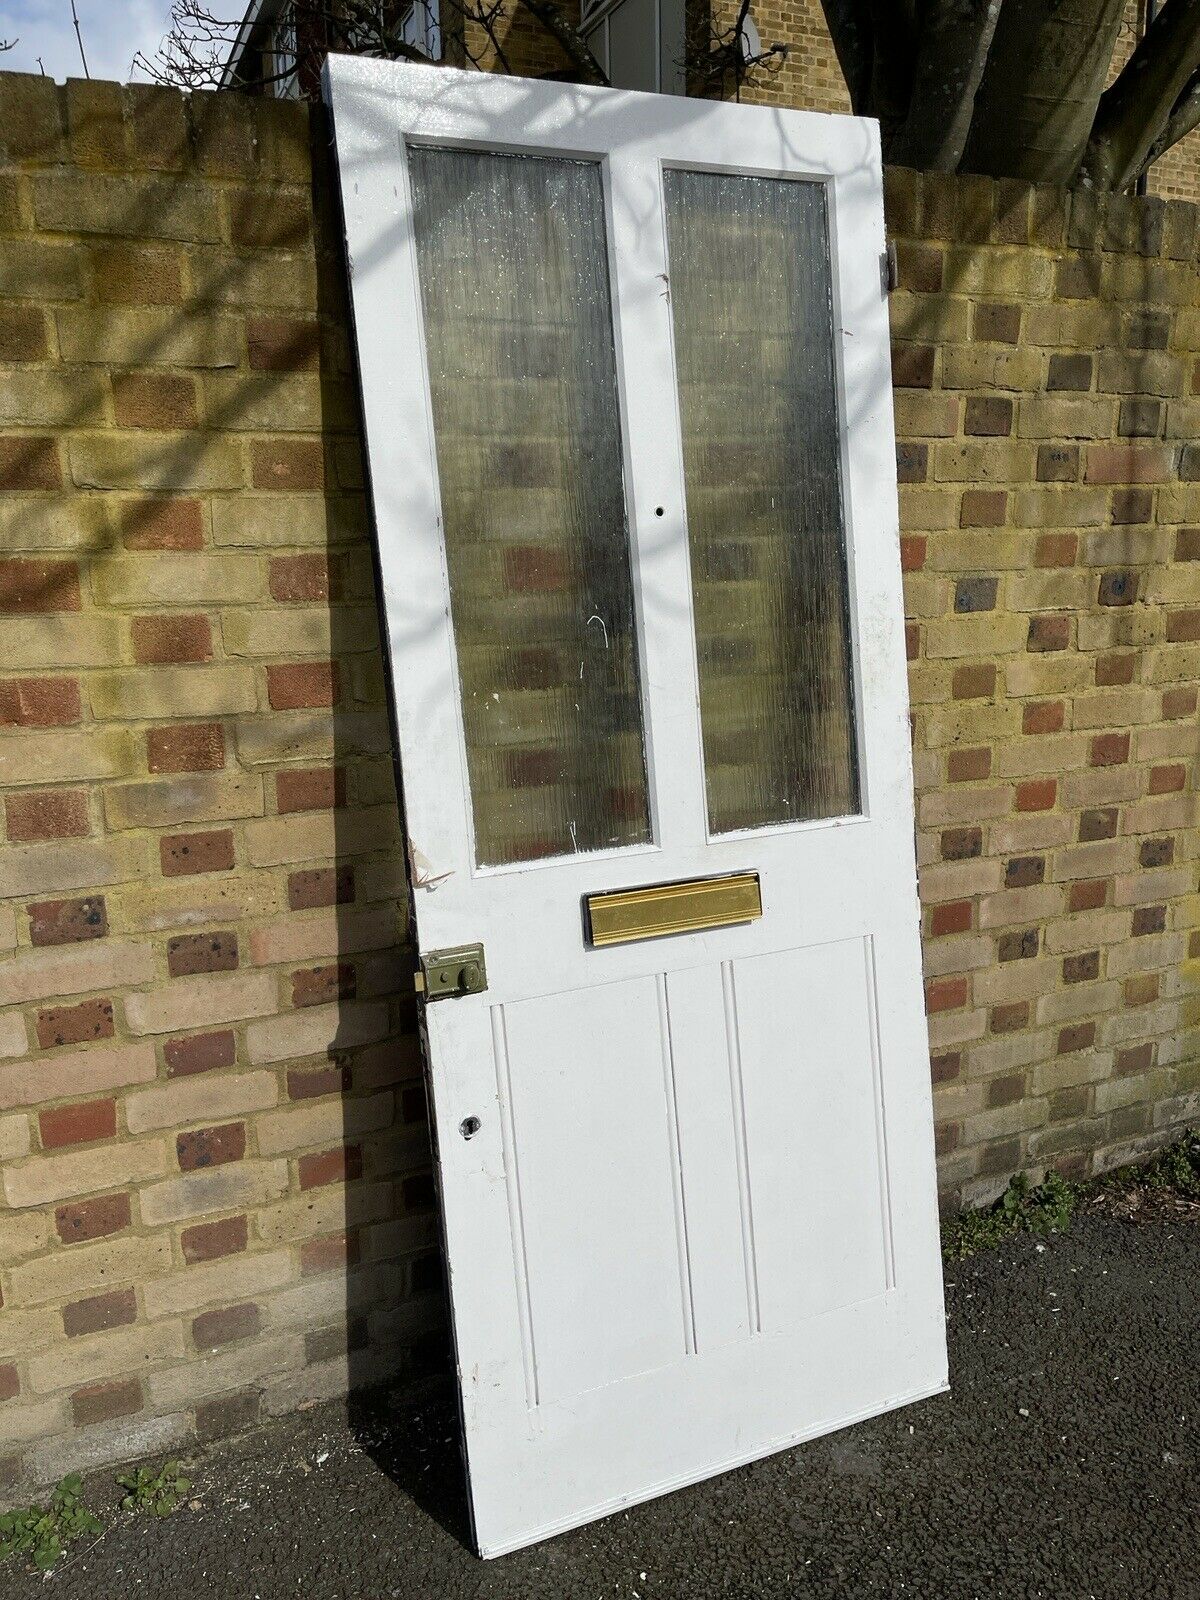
(605,1508)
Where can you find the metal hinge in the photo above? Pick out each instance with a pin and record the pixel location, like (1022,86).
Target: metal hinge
(889,268)
(452,972)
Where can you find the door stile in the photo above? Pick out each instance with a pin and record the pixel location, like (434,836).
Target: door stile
(658,544)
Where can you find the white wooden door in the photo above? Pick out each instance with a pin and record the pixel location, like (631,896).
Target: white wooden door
(626,384)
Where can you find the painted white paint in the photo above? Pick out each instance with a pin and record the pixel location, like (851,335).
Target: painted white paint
(697,1223)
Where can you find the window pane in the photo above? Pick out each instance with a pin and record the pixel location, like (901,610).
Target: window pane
(513,264)
(752,303)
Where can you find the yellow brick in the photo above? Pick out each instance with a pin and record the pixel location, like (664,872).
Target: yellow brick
(205,1098)
(316,1030)
(192,797)
(105,1355)
(47,1178)
(72,1073)
(155,463)
(177,580)
(58,757)
(203,1001)
(59,641)
(42,869)
(240,1185)
(241,1277)
(309,1127)
(90,1268)
(162,692)
(67,969)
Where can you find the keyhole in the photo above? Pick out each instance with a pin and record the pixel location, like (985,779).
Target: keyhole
(658,511)
(469,1127)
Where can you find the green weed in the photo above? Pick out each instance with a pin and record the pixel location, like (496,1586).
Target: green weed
(159,1492)
(42,1533)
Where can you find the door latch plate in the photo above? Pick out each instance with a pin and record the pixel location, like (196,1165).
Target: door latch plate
(452,972)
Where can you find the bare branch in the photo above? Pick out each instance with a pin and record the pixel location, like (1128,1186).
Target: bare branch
(79,38)
(1137,108)
(950,60)
(569,37)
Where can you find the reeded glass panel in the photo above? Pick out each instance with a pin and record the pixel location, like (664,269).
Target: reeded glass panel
(752,303)
(513,264)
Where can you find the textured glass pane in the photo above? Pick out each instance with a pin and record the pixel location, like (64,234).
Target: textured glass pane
(513,264)
(750,292)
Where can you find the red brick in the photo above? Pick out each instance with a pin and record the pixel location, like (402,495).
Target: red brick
(1081,968)
(1036,794)
(332,1250)
(1079,1036)
(945,1068)
(81,1220)
(9,1382)
(912,641)
(290,464)
(1024,872)
(317,986)
(1109,749)
(308,1083)
(1128,463)
(39,702)
(1049,633)
(202,1052)
(1131,505)
(330,1166)
(282,344)
(163,525)
(1020,945)
(102,1402)
(1183,627)
(310,789)
(983,508)
(223,1326)
(209,1241)
(82,1123)
(1169,779)
(160,400)
(1088,894)
(116,1309)
(22,334)
(969,766)
(1136,1058)
(202,952)
(1176,704)
(88,1019)
(320,886)
(1056,550)
(961,844)
(1187,544)
(211,1147)
(46,814)
(912,463)
(293,686)
(912,366)
(182,854)
(1043,716)
(974,681)
(913,548)
(159,641)
(295,579)
(29,461)
(67,921)
(945,994)
(988,415)
(38,586)
(1009,1018)
(186,747)
(1147,920)
(952,916)
(1116,667)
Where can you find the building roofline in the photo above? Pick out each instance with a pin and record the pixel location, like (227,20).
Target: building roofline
(256,12)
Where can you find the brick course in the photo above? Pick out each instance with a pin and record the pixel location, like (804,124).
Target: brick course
(209,1080)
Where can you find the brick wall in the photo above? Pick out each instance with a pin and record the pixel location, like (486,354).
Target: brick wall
(215,1199)
(1046,373)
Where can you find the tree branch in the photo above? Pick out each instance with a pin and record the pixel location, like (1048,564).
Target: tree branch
(569,37)
(1137,108)
(853,34)
(951,56)
(1184,117)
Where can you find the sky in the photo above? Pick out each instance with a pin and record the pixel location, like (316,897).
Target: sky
(112,31)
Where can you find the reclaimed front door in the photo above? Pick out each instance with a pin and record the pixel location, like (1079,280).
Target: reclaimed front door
(624,364)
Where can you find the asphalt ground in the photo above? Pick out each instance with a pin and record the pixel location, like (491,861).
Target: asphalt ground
(1064,1463)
